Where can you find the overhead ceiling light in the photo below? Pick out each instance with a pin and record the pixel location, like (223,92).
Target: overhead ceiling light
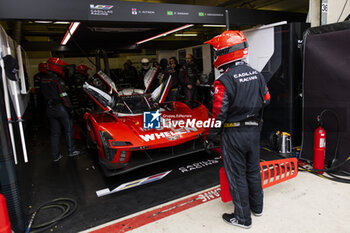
(165,33)
(124,30)
(186,34)
(72,28)
(213,25)
(61,22)
(43,21)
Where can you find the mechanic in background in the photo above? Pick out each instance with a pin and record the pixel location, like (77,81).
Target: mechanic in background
(77,94)
(129,73)
(59,107)
(240,93)
(173,73)
(189,78)
(145,66)
(38,98)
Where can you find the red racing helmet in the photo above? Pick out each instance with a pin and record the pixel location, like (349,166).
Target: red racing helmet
(83,69)
(43,67)
(229,46)
(55,64)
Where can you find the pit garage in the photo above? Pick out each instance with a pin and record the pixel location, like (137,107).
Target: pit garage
(140,162)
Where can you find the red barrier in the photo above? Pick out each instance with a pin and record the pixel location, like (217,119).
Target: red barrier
(272,172)
(5,226)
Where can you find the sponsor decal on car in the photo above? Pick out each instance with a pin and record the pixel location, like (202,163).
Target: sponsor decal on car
(172,138)
(171,133)
(131,184)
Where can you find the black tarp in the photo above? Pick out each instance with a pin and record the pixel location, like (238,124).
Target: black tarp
(327,86)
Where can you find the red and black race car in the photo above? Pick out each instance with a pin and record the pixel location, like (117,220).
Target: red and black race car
(125,141)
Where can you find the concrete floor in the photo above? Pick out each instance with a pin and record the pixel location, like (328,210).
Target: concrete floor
(306,203)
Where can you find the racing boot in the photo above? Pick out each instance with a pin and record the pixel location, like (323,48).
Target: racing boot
(231,219)
(58,158)
(74,153)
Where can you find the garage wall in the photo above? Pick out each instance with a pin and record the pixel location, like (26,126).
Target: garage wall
(207,63)
(335,8)
(166,54)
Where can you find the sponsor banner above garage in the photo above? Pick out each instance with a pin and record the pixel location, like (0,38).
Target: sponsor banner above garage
(127,11)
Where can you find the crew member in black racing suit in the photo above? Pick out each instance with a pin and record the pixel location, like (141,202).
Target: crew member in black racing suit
(38,98)
(77,95)
(59,107)
(239,96)
(189,78)
(172,73)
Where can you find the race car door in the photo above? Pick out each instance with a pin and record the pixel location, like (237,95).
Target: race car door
(104,100)
(158,84)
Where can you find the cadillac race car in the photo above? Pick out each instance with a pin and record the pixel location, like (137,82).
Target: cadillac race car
(135,127)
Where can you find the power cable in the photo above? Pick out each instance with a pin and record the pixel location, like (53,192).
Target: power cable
(319,120)
(81,49)
(67,206)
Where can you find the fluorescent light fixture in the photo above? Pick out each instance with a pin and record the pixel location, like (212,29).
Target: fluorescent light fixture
(61,22)
(165,33)
(42,21)
(72,28)
(213,25)
(186,34)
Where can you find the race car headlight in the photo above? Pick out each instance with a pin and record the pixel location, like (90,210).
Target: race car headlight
(122,156)
(120,143)
(109,152)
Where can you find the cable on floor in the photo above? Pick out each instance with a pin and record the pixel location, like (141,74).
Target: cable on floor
(67,206)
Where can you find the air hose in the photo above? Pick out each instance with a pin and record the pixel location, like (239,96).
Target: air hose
(67,206)
(333,177)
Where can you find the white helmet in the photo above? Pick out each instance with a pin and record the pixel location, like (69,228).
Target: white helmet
(145,63)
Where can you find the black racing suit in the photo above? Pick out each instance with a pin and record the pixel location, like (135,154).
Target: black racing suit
(174,84)
(239,96)
(38,98)
(59,108)
(140,83)
(77,94)
(189,75)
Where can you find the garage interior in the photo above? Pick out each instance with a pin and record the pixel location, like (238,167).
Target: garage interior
(106,40)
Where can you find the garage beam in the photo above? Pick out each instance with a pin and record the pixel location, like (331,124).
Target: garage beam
(123,11)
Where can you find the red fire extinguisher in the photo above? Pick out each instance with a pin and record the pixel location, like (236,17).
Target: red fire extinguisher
(319,148)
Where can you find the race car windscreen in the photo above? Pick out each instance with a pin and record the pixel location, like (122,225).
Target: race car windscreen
(135,104)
